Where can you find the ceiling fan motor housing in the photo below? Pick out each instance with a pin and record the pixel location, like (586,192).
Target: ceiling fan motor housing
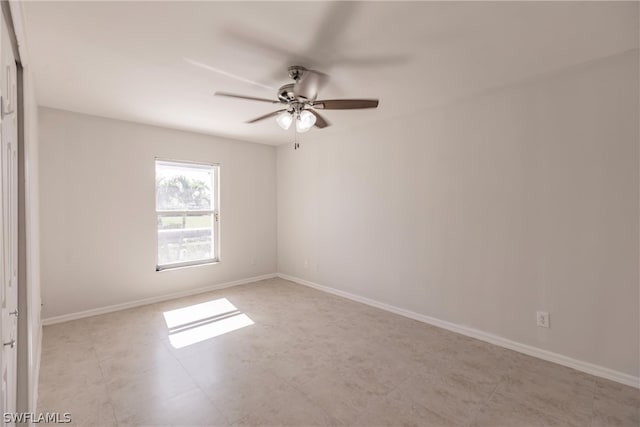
(285,93)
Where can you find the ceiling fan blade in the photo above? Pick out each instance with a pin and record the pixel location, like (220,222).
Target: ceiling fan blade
(336,20)
(251,98)
(226,74)
(372,61)
(321,122)
(266,116)
(345,104)
(309,84)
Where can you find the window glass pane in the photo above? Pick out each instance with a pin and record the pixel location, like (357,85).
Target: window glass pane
(182,187)
(184,238)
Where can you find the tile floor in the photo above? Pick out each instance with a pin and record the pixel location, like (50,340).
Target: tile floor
(308,359)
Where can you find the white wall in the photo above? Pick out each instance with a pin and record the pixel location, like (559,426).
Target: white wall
(479,213)
(98,224)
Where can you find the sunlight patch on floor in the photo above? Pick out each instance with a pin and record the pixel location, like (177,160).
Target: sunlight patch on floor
(200,322)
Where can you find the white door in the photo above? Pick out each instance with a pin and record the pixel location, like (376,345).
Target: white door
(9,214)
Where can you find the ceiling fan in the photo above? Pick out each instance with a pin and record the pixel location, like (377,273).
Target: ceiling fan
(300,103)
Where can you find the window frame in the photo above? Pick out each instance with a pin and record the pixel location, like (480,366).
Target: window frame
(215,212)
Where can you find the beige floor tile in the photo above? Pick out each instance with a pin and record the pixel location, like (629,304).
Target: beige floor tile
(88,405)
(211,367)
(309,359)
(287,407)
(615,405)
(374,367)
(124,318)
(451,394)
(477,360)
(566,395)
(505,411)
(396,410)
(238,393)
(188,409)
(61,334)
(343,394)
(139,358)
(218,348)
(100,417)
(610,413)
(130,393)
(625,395)
(62,371)
(300,368)
(115,342)
(523,365)
(71,352)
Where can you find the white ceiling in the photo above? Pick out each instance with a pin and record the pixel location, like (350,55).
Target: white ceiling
(135,60)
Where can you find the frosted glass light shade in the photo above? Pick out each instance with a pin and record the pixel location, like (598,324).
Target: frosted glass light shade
(284,120)
(305,121)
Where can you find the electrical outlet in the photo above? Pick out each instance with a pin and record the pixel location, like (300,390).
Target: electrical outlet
(306,264)
(542,318)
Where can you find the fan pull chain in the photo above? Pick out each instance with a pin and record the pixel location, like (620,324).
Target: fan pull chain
(296,144)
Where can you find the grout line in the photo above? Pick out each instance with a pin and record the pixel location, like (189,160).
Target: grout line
(103,375)
(166,344)
(485,403)
(593,403)
(493,392)
(217,408)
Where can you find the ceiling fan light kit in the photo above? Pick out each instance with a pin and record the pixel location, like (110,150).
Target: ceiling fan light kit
(284,120)
(299,100)
(305,121)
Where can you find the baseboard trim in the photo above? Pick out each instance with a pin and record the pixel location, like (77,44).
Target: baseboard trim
(151,300)
(549,356)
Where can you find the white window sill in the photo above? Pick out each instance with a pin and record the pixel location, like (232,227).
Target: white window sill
(169,267)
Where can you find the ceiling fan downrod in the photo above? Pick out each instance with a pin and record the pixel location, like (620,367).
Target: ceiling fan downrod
(296,72)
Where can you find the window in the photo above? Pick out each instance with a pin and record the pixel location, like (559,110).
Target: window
(187,214)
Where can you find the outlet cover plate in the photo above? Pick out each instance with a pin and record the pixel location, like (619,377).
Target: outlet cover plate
(542,319)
